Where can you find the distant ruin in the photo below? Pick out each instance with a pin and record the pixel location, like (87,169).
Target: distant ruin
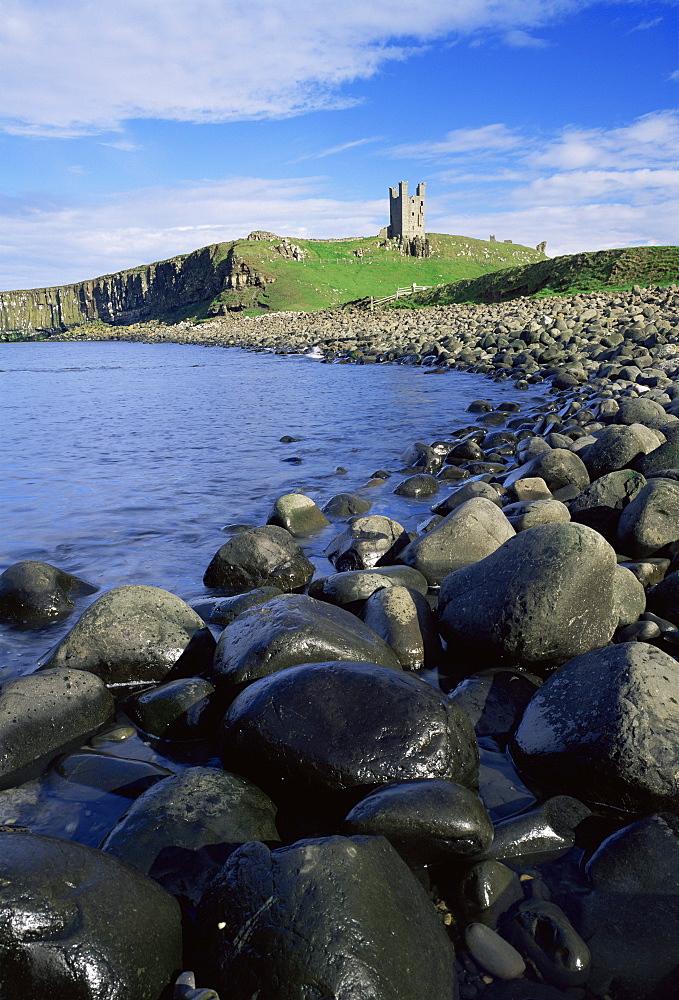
(406,220)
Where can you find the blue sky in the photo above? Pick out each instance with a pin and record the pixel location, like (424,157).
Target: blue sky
(136,130)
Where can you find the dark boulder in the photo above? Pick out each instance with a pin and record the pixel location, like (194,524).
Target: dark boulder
(618,446)
(365,542)
(426,821)
(544,596)
(605,727)
(420,485)
(557,467)
(336,726)
(46,714)
(353,587)
(601,504)
(665,456)
(194,809)
(75,922)
(651,520)
(333,917)
(259,557)
(34,593)
(183,709)
(345,505)
(289,630)
(404,619)
(130,635)
(495,699)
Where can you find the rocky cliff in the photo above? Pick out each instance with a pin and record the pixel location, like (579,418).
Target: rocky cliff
(149,292)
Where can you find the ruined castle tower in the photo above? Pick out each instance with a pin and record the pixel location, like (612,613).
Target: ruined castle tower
(406,214)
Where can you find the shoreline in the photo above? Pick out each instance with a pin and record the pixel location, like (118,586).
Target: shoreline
(582,493)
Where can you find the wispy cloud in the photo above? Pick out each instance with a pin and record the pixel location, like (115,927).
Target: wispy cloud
(486,138)
(222,60)
(124,145)
(332,150)
(520,39)
(645,25)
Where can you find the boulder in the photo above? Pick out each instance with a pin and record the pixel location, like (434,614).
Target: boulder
(34,593)
(543,597)
(404,619)
(531,513)
(651,520)
(468,491)
(75,922)
(605,727)
(616,447)
(196,808)
(665,456)
(259,557)
(345,505)
(331,917)
(469,533)
(353,587)
(46,714)
(600,504)
(289,630)
(224,611)
(426,821)
(663,599)
(629,596)
(366,541)
(336,726)
(495,699)
(630,918)
(420,485)
(132,635)
(558,467)
(183,709)
(641,410)
(298,514)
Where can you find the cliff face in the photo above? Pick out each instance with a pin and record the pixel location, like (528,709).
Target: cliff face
(142,293)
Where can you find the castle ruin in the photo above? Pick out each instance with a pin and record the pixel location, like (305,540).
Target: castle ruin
(406,220)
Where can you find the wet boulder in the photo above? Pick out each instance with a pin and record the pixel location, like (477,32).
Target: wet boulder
(289,630)
(298,514)
(541,931)
(420,485)
(224,611)
(495,699)
(605,727)
(336,726)
(191,822)
(345,505)
(651,520)
(469,533)
(422,457)
(630,918)
(131,635)
(365,542)
(75,922)
(404,619)
(543,597)
(558,467)
(259,557)
(540,834)
(352,588)
(46,714)
(34,593)
(468,491)
(331,917)
(426,821)
(182,709)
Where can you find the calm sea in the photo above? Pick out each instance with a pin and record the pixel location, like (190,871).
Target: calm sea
(125,463)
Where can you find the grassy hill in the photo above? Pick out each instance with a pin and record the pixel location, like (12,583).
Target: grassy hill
(568,275)
(337,271)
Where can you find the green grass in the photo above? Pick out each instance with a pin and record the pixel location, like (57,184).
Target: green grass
(607,270)
(331,274)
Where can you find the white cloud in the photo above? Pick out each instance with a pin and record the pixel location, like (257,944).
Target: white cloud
(124,145)
(48,243)
(520,39)
(332,150)
(460,141)
(70,67)
(645,25)
(652,138)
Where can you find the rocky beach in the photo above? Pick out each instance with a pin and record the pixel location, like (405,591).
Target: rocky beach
(448,768)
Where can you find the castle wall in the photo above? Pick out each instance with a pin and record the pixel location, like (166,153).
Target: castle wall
(406,213)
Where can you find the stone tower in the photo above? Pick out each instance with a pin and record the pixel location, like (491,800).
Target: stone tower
(406,214)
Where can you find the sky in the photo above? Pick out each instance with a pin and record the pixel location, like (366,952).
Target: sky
(135,130)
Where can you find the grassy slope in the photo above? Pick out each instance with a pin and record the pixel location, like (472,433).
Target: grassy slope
(569,275)
(331,274)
